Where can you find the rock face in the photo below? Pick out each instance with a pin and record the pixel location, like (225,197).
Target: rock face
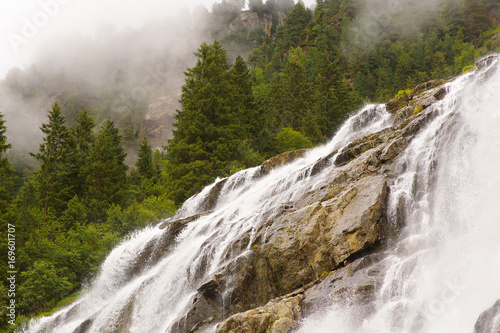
(281,160)
(489,321)
(277,316)
(252,21)
(423,96)
(322,247)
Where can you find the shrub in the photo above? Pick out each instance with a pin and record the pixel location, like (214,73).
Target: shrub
(289,139)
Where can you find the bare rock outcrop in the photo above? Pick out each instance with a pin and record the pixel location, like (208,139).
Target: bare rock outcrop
(324,246)
(252,21)
(489,320)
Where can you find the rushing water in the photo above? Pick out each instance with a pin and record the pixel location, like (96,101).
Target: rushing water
(442,273)
(445,269)
(157,297)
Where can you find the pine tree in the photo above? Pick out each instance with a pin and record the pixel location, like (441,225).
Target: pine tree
(256,5)
(404,70)
(144,163)
(293,101)
(83,137)
(332,95)
(204,142)
(296,21)
(285,5)
(6,172)
(244,118)
(476,19)
(105,172)
(53,179)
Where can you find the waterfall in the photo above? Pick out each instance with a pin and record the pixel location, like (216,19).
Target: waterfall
(444,270)
(148,282)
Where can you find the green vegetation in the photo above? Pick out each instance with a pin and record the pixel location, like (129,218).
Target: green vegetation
(299,83)
(214,121)
(418,109)
(74,208)
(288,139)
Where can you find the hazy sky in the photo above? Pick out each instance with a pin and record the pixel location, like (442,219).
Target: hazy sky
(27,23)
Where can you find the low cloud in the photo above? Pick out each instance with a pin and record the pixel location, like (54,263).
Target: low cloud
(378,19)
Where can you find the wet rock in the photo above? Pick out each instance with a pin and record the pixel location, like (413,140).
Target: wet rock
(489,320)
(123,320)
(321,247)
(440,94)
(119,323)
(355,284)
(422,97)
(486,61)
(212,197)
(206,308)
(403,113)
(426,86)
(322,163)
(416,123)
(157,248)
(358,147)
(396,103)
(281,160)
(393,149)
(84,327)
(316,239)
(278,316)
(365,118)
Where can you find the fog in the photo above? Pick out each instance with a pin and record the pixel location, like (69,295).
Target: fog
(380,18)
(27,24)
(129,57)
(131,52)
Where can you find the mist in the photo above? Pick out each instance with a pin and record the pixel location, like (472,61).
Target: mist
(378,19)
(123,60)
(129,65)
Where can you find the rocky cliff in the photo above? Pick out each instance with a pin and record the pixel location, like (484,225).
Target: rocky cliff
(251,21)
(272,245)
(324,246)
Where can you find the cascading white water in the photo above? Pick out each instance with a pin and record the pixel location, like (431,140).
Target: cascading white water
(155,297)
(445,269)
(443,272)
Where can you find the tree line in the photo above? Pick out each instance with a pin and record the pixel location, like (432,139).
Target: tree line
(293,91)
(74,208)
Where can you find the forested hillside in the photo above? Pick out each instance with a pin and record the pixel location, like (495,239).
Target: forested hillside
(273,78)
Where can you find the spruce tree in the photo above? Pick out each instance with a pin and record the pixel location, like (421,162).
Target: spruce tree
(256,5)
(6,172)
(53,179)
(244,119)
(144,163)
(476,19)
(204,141)
(105,172)
(295,22)
(285,5)
(332,95)
(83,137)
(293,101)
